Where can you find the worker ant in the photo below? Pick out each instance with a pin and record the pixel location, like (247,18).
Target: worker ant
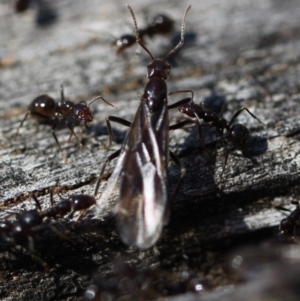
(44,109)
(45,13)
(237,133)
(28,222)
(288,225)
(161,24)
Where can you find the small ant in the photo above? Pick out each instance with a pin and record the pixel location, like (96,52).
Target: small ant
(238,133)
(27,223)
(45,14)
(44,109)
(287,225)
(20,5)
(160,25)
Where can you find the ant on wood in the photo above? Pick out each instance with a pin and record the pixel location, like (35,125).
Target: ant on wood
(45,14)
(143,207)
(237,133)
(288,225)
(160,25)
(28,222)
(44,109)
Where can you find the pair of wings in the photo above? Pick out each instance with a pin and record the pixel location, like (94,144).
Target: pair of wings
(142,170)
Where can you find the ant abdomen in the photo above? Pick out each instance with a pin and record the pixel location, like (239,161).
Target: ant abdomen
(161,24)
(82,201)
(42,108)
(25,223)
(124,42)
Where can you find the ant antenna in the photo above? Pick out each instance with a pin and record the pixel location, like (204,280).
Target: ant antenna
(106,101)
(182,34)
(137,34)
(62,94)
(139,40)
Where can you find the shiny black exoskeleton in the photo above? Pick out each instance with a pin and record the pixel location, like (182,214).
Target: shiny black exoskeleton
(44,109)
(237,133)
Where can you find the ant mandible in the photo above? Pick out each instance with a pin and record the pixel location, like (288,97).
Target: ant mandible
(238,133)
(44,109)
(160,25)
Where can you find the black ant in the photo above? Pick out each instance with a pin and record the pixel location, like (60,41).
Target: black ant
(288,225)
(238,133)
(21,5)
(45,14)
(143,207)
(28,222)
(44,109)
(161,24)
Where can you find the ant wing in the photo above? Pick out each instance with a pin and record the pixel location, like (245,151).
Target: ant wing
(141,209)
(112,182)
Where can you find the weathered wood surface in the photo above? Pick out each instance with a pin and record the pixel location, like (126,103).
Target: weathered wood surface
(247,51)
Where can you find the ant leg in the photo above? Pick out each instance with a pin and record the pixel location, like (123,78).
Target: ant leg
(21,124)
(182,174)
(237,113)
(71,127)
(180,124)
(37,202)
(180,103)
(110,158)
(56,140)
(183,91)
(62,94)
(36,257)
(117,120)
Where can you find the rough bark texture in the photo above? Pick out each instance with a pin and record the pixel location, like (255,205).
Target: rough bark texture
(247,52)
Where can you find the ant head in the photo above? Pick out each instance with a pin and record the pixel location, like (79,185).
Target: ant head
(82,112)
(239,135)
(158,68)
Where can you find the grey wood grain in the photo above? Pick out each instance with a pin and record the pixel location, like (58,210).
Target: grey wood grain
(246,51)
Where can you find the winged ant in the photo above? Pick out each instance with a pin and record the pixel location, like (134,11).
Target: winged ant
(160,24)
(44,109)
(237,133)
(143,206)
